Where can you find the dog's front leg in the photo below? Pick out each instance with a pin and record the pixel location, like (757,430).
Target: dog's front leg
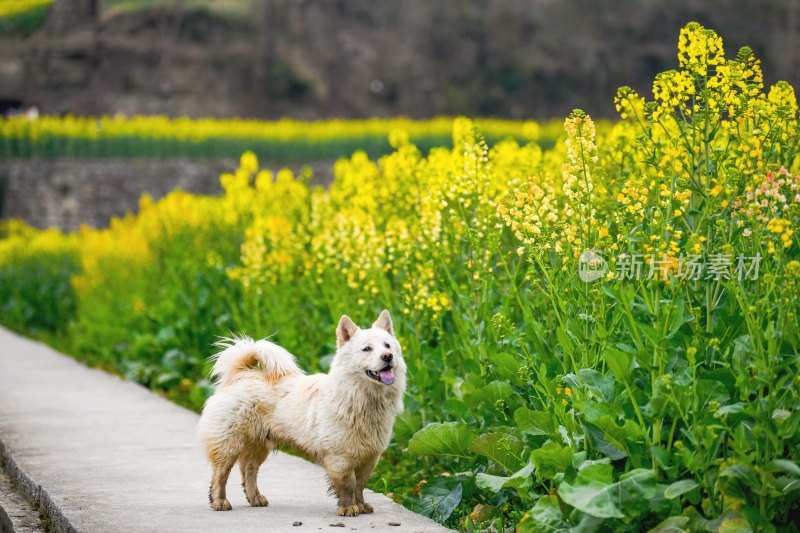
(343,483)
(362,476)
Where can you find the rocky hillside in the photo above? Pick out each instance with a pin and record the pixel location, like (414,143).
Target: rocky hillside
(354,58)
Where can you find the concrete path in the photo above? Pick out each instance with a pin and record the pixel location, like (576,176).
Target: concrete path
(96,453)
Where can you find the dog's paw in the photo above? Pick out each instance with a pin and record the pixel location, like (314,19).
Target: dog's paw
(350,510)
(221,505)
(365,508)
(259,501)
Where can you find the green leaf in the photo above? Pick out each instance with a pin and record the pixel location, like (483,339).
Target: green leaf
(604,418)
(652,334)
(783,465)
(545,517)
(600,383)
(743,472)
(490,482)
(551,459)
(673,524)
(735,523)
(679,487)
(620,363)
(507,366)
(564,340)
(449,438)
(593,493)
(497,391)
(519,480)
(502,448)
(438,499)
(733,408)
(711,391)
(534,422)
(598,440)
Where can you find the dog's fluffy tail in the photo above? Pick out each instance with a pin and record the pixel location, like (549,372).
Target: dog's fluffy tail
(242,354)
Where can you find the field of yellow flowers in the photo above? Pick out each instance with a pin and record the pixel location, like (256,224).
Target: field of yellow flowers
(282,140)
(601,336)
(22,15)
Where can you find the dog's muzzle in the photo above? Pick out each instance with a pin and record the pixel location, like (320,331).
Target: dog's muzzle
(385,376)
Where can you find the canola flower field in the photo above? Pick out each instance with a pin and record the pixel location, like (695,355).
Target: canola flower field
(282,140)
(601,336)
(22,15)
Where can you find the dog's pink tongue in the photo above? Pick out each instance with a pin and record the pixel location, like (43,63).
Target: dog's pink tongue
(387,377)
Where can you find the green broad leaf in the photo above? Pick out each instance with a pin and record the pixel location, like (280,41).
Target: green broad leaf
(587,524)
(438,498)
(457,408)
(678,318)
(733,408)
(545,517)
(448,438)
(601,384)
(590,492)
(620,363)
(735,523)
(596,410)
(780,415)
(564,340)
(787,484)
(743,472)
(637,488)
(673,524)
(711,391)
(604,417)
(783,465)
(616,434)
(534,422)
(679,487)
(502,448)
(593,492)
(551,459)
(652,334)
(598,440)
(497,391)
(507,366)
(724,376)
(489,482)
(519,480)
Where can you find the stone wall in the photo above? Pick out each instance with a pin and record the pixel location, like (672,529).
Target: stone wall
(67,193)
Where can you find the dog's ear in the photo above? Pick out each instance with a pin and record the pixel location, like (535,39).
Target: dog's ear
(345,330)
(384,322)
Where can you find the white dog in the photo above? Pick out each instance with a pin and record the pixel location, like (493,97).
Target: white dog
(343,419)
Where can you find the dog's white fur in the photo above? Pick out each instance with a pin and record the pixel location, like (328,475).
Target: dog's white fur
(342,420)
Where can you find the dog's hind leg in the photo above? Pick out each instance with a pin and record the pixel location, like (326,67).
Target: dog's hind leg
(222,460)
(253,454)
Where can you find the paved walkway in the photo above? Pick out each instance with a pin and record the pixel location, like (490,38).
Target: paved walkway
(97,454)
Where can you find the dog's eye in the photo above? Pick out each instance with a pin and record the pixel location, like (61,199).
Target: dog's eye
(386,344)
(366,349)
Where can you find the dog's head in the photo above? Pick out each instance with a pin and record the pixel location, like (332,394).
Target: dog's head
(372,354)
